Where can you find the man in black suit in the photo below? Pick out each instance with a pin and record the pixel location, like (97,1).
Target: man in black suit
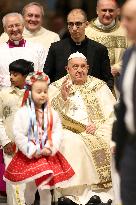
(124,129)
(96,54)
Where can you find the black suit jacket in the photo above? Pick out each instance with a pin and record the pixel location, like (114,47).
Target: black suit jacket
(120,134)
(97,59)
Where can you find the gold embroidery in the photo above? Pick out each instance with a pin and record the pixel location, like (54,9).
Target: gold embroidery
(7,111)
(114,28)
(98,148)
(110,41)
(100,154)
(18,200)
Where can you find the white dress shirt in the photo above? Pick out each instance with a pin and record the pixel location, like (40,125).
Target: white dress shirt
(128,92)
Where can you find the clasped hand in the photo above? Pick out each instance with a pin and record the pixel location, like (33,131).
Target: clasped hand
(44,152)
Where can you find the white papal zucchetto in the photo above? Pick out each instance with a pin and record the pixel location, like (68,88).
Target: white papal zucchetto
(76,55)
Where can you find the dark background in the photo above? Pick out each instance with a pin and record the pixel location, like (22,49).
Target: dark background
(55,10)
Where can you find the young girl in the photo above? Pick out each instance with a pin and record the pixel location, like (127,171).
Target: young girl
(37,130)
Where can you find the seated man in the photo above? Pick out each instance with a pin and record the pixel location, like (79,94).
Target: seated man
(85,104)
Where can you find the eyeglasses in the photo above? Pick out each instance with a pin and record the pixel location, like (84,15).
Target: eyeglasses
(78,24)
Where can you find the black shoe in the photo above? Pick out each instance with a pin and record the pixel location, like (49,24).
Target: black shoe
(108,203)
(65,201)
(94,200)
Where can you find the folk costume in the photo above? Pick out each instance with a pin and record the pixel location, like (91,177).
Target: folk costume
(34,130)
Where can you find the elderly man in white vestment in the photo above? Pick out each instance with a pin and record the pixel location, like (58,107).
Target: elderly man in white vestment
(85,104)
(18,48)
(33,14)
(107,30)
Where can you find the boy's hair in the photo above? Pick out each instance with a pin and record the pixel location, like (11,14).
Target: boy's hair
(21,66)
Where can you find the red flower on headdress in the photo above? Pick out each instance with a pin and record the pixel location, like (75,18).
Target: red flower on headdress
(33,79)
(39,73)
(46,78)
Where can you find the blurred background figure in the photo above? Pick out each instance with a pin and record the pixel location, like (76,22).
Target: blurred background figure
(124,129)
(106,29)
(17,47)
(33,14)
(51,7)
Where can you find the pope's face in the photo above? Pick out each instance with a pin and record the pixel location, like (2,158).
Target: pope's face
(129,21)
(107,11)
(78,69)
(33,18)
(14,27)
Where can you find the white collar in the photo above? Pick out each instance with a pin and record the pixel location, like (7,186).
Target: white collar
(28,33)
(103,27)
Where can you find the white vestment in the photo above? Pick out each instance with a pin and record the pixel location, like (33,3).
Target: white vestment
(91,102)
(31,52)
(113,37)
(43,36)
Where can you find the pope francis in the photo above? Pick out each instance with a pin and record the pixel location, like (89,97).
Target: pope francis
(85,105)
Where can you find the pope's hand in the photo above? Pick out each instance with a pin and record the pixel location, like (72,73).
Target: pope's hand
(65,88)
(91,128)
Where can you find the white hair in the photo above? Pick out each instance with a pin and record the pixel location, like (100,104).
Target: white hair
(33,4)
(99,1)
(12,14)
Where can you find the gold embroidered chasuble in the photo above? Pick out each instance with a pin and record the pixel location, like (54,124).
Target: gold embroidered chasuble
(113,38)
(97,144)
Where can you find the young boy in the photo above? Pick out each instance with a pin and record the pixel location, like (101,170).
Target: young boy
(10,102)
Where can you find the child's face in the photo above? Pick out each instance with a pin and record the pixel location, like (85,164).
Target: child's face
(39,93)
(17,79)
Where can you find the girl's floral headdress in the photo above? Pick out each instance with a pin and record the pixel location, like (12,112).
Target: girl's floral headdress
(34,76)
